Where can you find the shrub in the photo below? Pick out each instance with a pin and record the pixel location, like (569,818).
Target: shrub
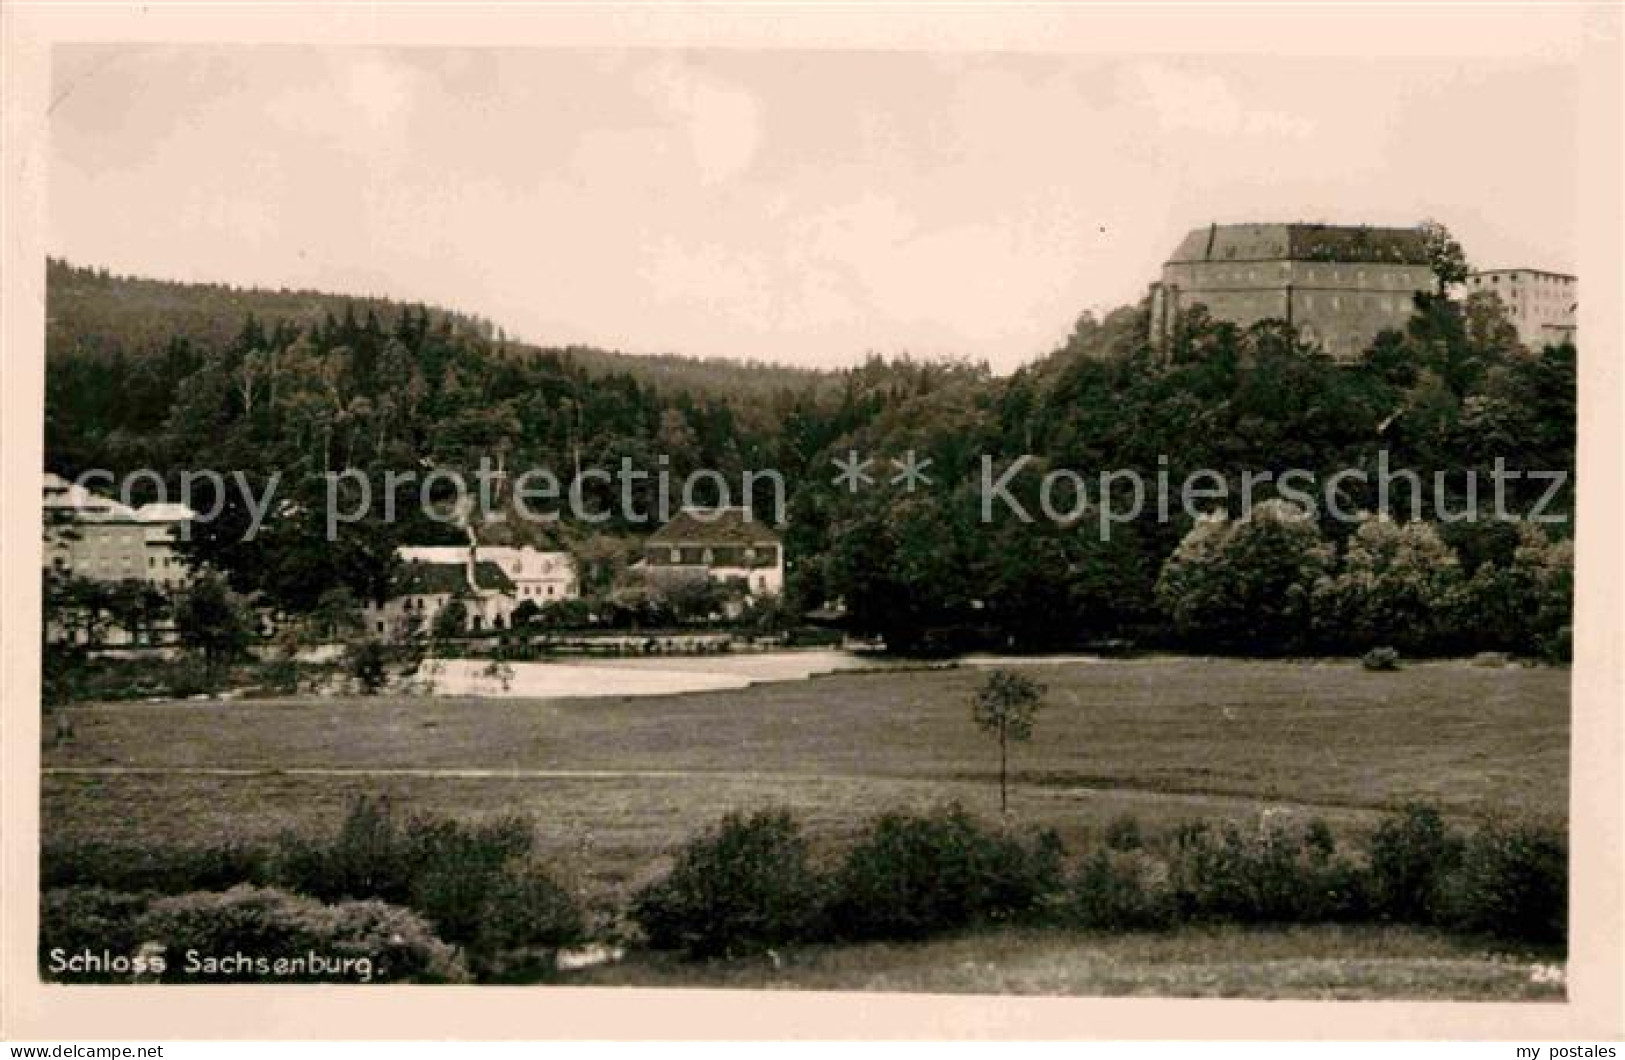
(912,876)
(1123,833)
(280,676)
(138,868)
(1557,647)
(744,886)
(396,943)
(526,918)
(1121,890)
(365,660)
(1512,882)
(451,866)
(70,675)
(1380,660)
(1274,875)
(1411,853)
(366,859)
(445,870)
(88,919)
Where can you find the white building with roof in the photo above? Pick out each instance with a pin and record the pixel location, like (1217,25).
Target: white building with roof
(91,536)
(542,577)
(725,545)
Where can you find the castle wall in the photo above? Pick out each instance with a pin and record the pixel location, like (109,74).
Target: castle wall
(1340,306)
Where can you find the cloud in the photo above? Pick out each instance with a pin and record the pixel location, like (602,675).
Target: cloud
(723,121)
(348,95)
(378,90)
(1206,103)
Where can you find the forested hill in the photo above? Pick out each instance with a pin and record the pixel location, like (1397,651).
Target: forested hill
(94,314)
(380,390)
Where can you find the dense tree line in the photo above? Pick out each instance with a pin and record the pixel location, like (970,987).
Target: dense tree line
(384,388)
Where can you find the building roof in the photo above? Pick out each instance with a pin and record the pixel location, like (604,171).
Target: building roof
(164,513)
(432,553)
(1303,242)
(1517,269)
(715,526)
(522,561)
(516,561)
(62,499)
(68,500)
(418,578)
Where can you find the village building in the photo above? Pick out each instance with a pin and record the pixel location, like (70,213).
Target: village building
(538,576)
(420,589)
(725,545)
(90,536)
(1339,285)
(491,582)
(1543,306)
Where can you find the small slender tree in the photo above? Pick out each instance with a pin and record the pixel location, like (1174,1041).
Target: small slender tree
(1005,706)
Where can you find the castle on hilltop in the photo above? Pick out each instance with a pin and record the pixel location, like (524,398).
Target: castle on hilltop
(1339,285)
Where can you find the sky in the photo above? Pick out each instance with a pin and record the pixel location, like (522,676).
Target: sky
(804,207)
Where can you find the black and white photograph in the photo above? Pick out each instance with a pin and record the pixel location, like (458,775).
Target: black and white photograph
(953,521)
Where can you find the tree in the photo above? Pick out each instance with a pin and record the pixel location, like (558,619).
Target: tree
(451,621)
(1397,586)
(365,659)
(211,620)
(693,599)
(1445,255)
(1523,602)
(1246,583)
(337,613)
(528,613)
(1005,706)
(81,606)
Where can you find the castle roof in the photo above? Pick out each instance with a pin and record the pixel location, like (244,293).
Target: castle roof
(1303,242)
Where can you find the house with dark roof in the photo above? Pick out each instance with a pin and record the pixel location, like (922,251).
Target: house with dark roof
(726,545)
(538,576)
(420,589)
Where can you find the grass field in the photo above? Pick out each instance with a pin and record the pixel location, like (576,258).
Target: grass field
(614,784)
(1309,963)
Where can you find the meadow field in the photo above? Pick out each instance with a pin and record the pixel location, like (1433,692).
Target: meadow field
(615,784)
(1305,962)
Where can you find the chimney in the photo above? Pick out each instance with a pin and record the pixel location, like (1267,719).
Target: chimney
(473,559)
